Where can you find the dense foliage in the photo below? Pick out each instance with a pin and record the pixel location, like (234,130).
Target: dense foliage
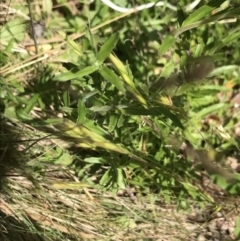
(121,92)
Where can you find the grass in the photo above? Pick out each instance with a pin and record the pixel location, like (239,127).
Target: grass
(95,113)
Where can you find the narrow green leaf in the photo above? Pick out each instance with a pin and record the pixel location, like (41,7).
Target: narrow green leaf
(168,69)
(231,37)
(208,90)
(81,111)
(86,71)
(52,121)
(104,108)
(65,76)
(211,109)
(192,190)
(106,178)
(23,115)
(69,75)
(120,178)
(202,12)
(94,160)
(224,70)
(107,48)
(199,50)
(226,13)
(66,98)
(31,103)
(120,121)
(10,46)
(167,43)
(92,40)
(110,76)
(112,122)
(202,93)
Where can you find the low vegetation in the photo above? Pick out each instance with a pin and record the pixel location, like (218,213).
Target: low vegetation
(111,115)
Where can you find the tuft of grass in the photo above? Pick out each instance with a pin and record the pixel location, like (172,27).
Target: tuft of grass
(103,101)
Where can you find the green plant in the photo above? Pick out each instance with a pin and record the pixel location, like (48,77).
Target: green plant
(121,95)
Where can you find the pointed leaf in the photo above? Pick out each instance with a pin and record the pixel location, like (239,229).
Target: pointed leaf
(69,75)
(106,178)
(120,178)
(167,43)
(31,103)
(203,11)
(81,111)
(107,48)
(110,76)
(112,123)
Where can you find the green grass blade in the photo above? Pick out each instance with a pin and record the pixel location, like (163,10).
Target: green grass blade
(110,76)
(167,43)
(69,75)
(107,48)
(81,111)
(202,12)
